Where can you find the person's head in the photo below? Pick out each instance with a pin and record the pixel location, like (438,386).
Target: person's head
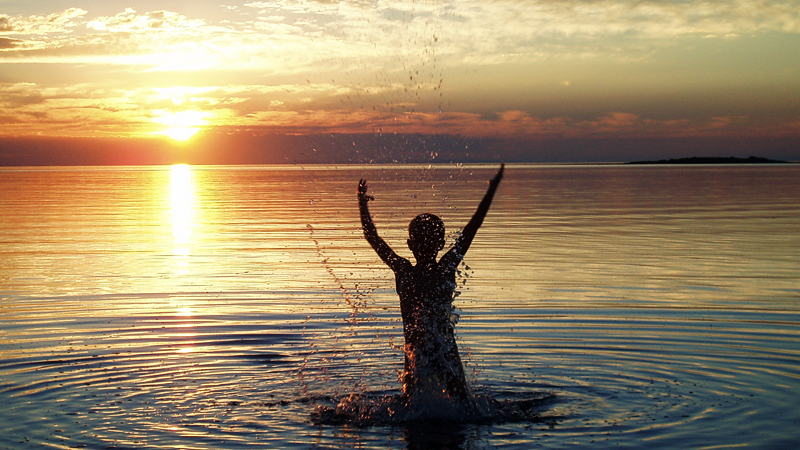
(425,236)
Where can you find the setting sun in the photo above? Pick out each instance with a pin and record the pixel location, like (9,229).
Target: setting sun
(182,125)
(180,133)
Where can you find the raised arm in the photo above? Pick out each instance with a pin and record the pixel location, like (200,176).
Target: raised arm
(371,234)
(468,233)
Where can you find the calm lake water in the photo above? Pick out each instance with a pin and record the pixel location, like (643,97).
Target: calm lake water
(222,307)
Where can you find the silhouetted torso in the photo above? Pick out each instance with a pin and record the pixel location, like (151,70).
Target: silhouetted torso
(432,363)
(426,305)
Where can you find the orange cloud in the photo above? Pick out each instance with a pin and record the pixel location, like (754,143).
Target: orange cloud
(81,110)
(361,67)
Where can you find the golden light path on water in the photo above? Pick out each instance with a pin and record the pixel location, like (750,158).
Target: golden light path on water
(182,209)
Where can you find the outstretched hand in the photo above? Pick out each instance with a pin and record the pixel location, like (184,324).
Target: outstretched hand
(362,191)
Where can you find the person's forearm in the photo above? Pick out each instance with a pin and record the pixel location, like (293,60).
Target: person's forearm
(366,219)
(468,233)
(483,208)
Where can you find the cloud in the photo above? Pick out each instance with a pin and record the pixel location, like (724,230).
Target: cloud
(16,95)
(129,21)
(6,43)
(354,66)
(5,24)
(83,110)
(157,40)
(617,120)
(510,30)
(308,34)
(60,22)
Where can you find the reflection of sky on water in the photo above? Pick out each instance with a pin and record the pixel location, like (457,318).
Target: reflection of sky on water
(656,308)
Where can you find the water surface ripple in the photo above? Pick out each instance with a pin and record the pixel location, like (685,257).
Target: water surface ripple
(225,307)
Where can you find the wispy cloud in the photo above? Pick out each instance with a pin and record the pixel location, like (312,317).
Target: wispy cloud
(60,22)
(129,21)
(475,31)
(299,66)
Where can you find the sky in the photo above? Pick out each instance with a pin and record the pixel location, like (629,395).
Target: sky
(117,81)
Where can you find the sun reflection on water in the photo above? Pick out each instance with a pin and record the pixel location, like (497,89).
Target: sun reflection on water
(182,205)
(184,312)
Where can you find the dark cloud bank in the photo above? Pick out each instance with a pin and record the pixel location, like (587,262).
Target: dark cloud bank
(243,148)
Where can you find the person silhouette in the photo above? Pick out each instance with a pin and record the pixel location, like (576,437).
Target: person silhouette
(432,364)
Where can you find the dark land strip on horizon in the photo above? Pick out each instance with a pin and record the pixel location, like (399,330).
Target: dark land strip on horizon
(714,160)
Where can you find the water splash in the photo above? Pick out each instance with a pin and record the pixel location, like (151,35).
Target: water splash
(356,301)
(376,409)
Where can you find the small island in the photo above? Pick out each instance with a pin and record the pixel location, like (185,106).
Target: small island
(713,160)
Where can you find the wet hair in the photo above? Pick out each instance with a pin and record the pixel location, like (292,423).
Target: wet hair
(427,228)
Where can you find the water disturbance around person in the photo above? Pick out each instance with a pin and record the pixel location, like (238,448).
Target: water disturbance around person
(434,386)
(433,367)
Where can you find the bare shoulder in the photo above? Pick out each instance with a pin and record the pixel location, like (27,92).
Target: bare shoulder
(451,259)
(400,265)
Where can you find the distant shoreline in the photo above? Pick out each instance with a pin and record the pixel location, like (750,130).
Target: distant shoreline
(714,160)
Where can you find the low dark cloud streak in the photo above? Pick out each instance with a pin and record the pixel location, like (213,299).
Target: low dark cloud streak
(6,43)
(246,148)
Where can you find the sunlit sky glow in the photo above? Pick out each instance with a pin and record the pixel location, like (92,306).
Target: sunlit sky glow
(482,69)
